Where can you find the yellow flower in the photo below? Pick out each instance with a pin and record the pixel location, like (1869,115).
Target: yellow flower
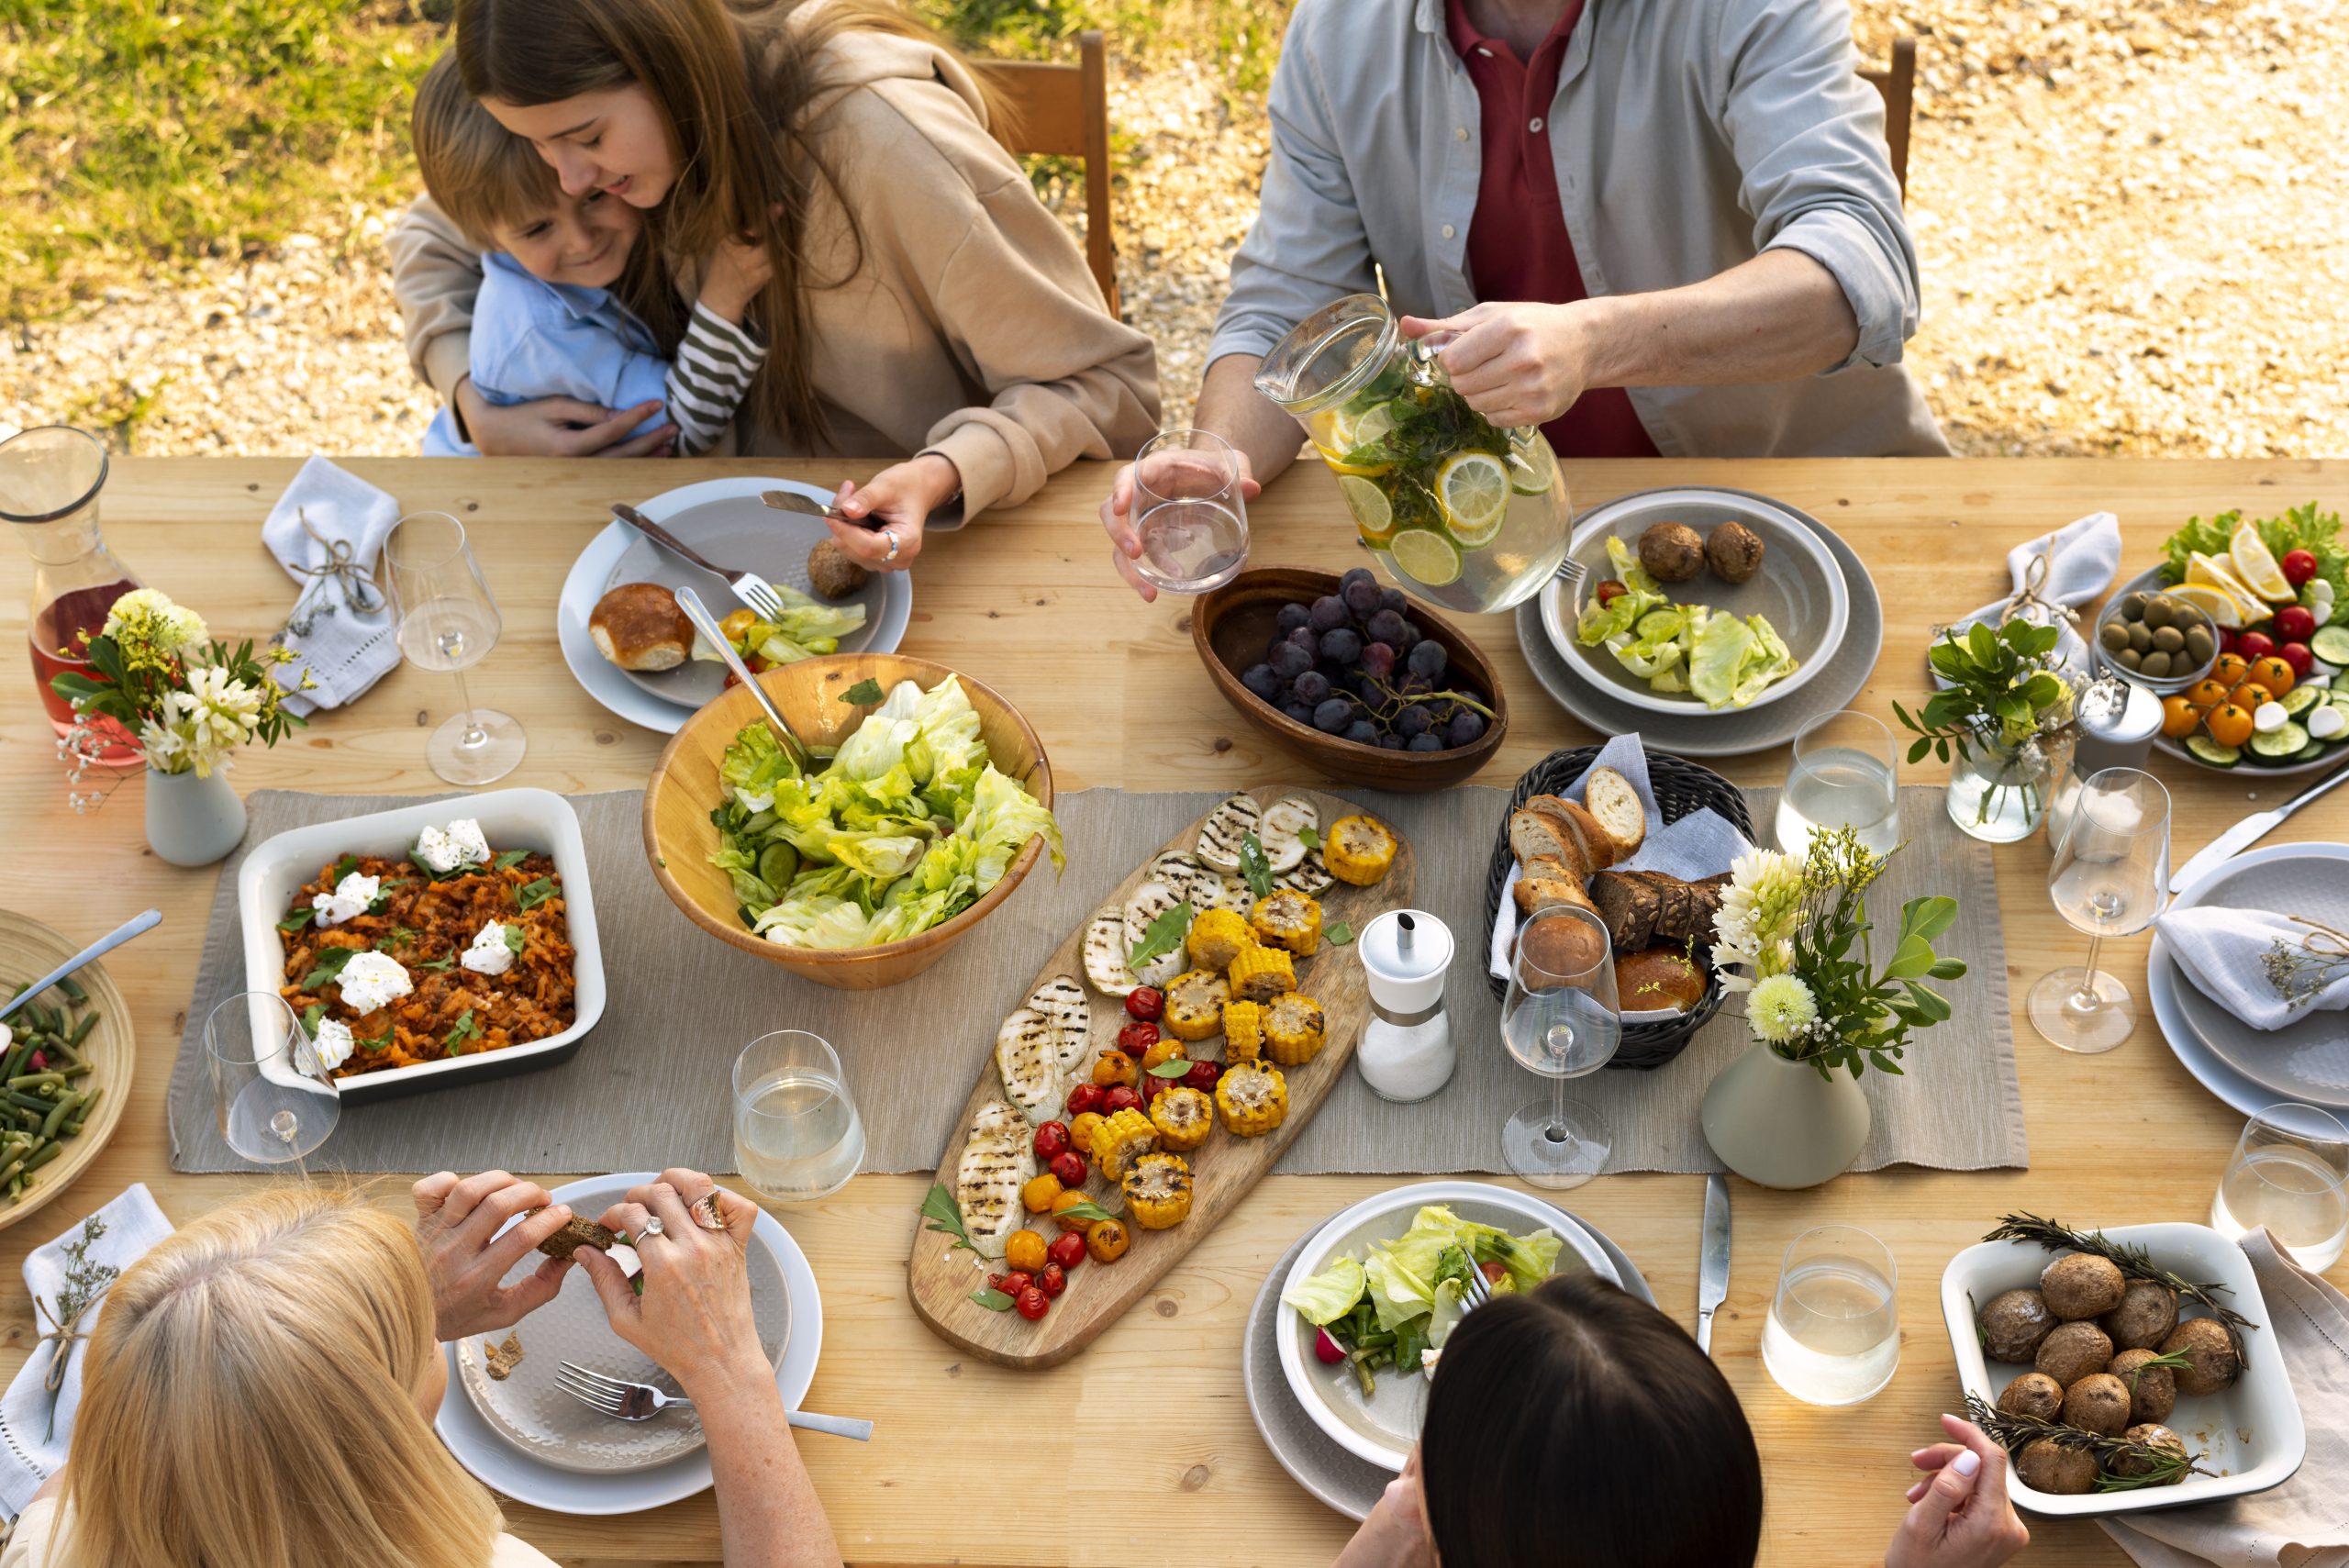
(1780,1008)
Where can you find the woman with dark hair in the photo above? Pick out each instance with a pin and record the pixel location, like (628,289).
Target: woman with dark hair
(1579,1425)
(922,305)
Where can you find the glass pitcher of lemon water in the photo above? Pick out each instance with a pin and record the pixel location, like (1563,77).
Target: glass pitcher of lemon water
(1457,510)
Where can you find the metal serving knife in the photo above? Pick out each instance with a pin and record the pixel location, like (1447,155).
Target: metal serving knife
(1712,1259)
(2249,831)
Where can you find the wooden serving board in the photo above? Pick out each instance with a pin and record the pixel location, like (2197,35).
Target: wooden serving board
(942,1275)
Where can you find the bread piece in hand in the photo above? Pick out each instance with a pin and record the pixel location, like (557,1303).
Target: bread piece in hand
(1611,799)
(637,625)
(1536,835)
(1599,847)
(1631,905)
(834,573)
(578,1233)
(1658,978)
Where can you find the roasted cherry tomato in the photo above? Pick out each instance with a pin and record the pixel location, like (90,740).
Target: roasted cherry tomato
(1122,1098)
(1164,1050)
(1067,1250)
(1036,1195)
(1202,1076)
(1081,1128)
(1054,1279)
(1068,1201)
(1136,1039)
(1147,1003)
(1107,1240)
(1033,1304)
(1068,1168)
(1113,1067)
(1024,1252)
(2298,566)
(1610,590)
(1051,1139)
(1014,1282)
(1082,1098)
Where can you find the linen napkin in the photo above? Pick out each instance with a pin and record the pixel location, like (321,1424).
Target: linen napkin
(31,1445)
(326,530)
(2082,557)
(1700,845)
(2304,1523)
(2224,951)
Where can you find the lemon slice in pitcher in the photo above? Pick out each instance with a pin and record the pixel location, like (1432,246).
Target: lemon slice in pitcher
(1474,489)
(1531,467)
(1426,556)
(1374,514)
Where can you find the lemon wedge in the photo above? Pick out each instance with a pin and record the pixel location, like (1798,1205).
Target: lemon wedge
(2210,572)
(2216,602)
(1474,489)
(2255,564)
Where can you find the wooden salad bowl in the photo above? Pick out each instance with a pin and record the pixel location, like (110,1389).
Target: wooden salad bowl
(679,837)
(30,949)
(1232,626)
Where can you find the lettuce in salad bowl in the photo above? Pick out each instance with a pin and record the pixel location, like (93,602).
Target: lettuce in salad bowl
(1722,660)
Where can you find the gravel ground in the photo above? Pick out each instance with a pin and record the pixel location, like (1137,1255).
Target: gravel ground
(2132,220)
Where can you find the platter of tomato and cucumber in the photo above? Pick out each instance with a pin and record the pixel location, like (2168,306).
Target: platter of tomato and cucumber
(2276,590)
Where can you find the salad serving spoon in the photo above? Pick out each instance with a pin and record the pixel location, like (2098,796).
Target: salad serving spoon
(707,624)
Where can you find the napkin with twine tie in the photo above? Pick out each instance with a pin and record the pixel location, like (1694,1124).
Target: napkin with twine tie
(327,530)
(2267,970)
(2056,571)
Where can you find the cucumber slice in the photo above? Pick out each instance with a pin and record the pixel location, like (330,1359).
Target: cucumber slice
(2210,751)
(2300,699)
(2309,753)
(2279,744)
(2331,644)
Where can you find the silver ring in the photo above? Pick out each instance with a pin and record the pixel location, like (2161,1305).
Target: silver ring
(891,534)
(653,1227)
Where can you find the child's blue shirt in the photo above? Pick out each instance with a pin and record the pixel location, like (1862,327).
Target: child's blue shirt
(532,339)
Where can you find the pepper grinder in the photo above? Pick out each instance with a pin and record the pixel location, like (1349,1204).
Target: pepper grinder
(2115,728)
(1406,1052)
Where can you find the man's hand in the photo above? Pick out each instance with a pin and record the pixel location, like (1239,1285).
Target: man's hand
(559,427)
(466,1257)
(1959,1516)
(1516,364)
(1118,521)
(895,502)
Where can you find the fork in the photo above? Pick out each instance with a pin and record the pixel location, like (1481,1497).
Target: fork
(753,589)
(1476,1290)
(624,1400)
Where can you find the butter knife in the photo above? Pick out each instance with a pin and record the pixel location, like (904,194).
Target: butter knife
(2249,831)
(1712,1259)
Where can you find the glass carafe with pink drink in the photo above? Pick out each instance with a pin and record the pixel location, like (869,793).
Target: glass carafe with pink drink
(1457,510)
(50,480)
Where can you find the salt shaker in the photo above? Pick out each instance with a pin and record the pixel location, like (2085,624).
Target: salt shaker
(1406,1052)
(2115,728)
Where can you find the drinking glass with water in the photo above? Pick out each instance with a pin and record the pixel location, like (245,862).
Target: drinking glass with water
(1192,519)
(797,1133)
(2289,1173)
(1833,1333)
(1846,773)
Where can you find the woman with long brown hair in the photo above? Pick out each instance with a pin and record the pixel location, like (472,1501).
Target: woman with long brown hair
(922,305)
(261,1387)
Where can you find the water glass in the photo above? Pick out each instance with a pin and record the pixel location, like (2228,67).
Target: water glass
(1191,516)
(448,621)
(1562,1018)
(1846,773)
(277,1100)
(1833,1333)
(2290,1173)
(797,1133)
(2107,880)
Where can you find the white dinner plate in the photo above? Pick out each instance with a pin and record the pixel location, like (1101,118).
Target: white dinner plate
(592,573)
(505,1469)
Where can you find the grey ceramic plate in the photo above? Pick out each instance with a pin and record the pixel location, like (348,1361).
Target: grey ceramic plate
(740,531)
(1728,733)
(1799,590)
(1349,1485)
(2307,1061)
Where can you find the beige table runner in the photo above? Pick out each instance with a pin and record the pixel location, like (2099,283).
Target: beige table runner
(649,1086)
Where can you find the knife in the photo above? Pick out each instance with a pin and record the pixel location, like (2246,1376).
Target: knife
(1712,1259)
(2249,831)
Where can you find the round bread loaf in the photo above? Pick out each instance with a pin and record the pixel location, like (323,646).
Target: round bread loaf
(637,625)
(1559,947)
(1659,978)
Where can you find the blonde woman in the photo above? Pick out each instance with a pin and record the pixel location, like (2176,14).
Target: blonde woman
(260,1389)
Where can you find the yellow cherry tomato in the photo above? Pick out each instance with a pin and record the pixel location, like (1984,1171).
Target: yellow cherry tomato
(2208,694)
(2274,673)
(1081,1131)
(1037,1196)
(1025,1251)
(1107,1240)
(2230,669)
(2229,724)
(2179,718)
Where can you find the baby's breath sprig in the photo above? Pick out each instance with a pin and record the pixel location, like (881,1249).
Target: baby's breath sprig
(2303,970)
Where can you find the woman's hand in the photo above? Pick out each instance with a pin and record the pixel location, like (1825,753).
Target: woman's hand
(738,270)
(559,427)
(694,1316)
(1516,364)
(465,1258)
(1959,1516)
(1395,1535)
(1125,540)
(899,499)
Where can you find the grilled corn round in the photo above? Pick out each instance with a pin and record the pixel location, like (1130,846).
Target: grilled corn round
(1158,1191)
(1252,1098)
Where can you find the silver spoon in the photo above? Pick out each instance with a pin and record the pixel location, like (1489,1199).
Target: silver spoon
(707,624)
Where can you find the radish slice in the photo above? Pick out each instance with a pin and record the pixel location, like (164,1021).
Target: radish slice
(1327,1350)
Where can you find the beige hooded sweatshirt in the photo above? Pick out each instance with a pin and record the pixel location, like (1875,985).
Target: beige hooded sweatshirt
(973,329)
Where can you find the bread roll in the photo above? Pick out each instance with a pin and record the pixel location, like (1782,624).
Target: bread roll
(1611,799)
(1659,978)
(637,625)
(1560,948)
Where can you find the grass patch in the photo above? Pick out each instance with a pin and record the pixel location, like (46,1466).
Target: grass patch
(138,131)
(1243,35)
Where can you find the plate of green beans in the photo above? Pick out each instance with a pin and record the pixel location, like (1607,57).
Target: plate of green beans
(63,1071)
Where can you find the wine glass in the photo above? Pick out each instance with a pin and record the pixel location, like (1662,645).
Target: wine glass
(1833,1333)
(2289,1173)
(275,1098)
(2107,880)
(447,621)
(1846,773)
(1560,1018)
(797,1133)
(1194,523)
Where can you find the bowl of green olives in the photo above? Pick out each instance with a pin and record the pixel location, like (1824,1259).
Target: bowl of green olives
(2157,641)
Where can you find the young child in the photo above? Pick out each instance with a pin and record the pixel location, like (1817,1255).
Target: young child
(546,322)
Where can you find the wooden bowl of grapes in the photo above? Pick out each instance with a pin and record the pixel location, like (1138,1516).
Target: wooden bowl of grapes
(1367,685)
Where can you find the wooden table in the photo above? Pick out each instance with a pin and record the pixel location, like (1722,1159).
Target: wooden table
(963,1462)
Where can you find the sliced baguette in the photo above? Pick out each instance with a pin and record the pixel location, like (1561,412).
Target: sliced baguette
(1535,836)
(1611,799)
(1601,849)
(1549,880)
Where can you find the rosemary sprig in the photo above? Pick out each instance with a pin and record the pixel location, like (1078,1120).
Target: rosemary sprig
(2133,1261)
(2174,1361)
(2162,1466)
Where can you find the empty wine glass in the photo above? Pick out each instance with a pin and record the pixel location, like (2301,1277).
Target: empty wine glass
(275,1098)
(448,621)
(1193,520)
(2290,1173)
(1561,1019)
(2107,880)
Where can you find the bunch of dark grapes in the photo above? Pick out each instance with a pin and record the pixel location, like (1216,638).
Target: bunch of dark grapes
(1352,664)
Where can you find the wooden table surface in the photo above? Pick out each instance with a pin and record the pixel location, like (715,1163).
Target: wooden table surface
(1151,1424)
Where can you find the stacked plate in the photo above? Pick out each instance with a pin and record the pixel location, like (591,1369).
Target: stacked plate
(1811,588)
(2252,1069)
(724,521)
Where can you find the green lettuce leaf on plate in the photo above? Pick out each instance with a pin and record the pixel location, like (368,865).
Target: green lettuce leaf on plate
(1328,1295)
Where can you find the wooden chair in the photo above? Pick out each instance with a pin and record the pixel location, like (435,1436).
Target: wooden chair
(1063,111)
(1898,85)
